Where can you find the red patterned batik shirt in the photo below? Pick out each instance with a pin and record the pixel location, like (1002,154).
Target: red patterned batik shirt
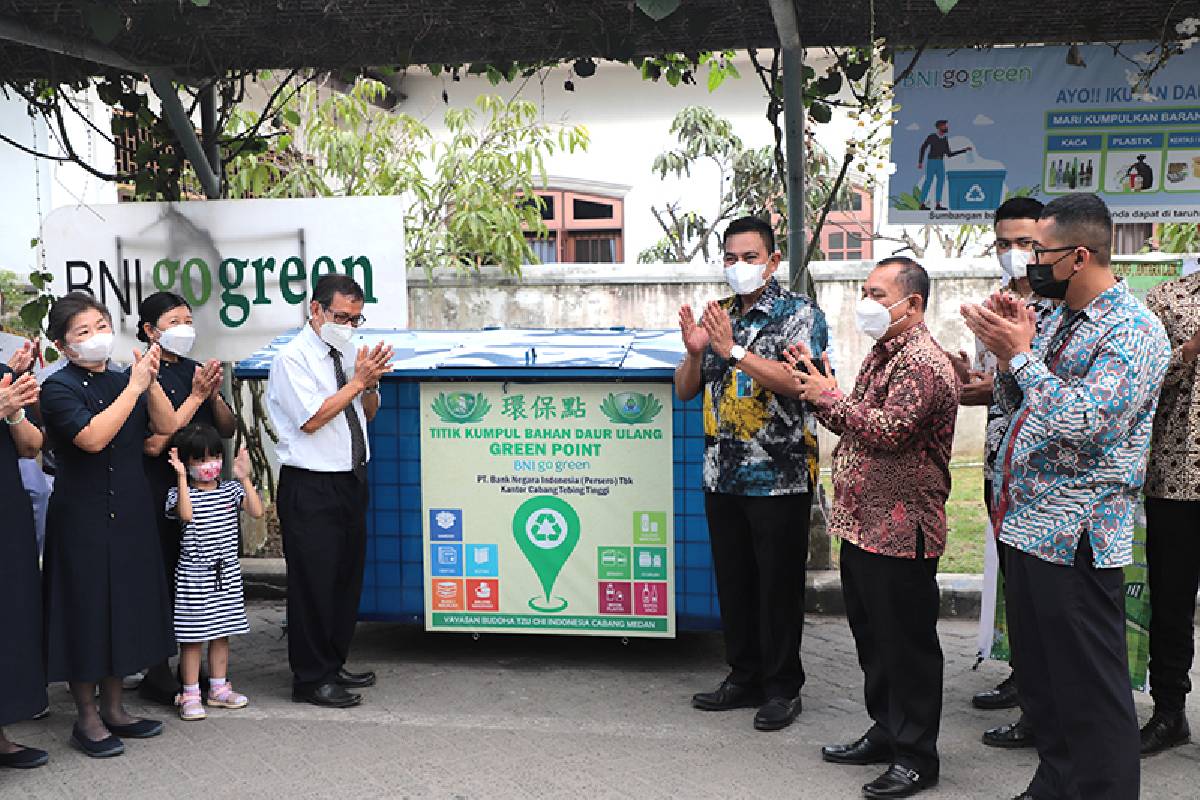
(891,468)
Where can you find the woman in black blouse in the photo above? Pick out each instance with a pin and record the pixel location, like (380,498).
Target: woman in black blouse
(194,390)
(107,608)
(22,676)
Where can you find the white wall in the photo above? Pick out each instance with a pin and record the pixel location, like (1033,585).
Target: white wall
(628,119)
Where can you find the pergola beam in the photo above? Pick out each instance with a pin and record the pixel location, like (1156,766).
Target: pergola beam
(787,26)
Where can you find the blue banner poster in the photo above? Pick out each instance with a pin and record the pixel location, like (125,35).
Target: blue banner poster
(976,127)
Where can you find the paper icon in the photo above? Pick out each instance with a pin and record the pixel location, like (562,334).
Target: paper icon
(481,555)
(446,589)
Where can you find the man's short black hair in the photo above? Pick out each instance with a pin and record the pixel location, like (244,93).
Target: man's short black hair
(197,442)
(332,284)
(939,124)
(752,225)
(912,277)
(1082,219)
(1018,208)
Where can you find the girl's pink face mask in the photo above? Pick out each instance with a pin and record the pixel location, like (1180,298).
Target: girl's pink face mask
(206,471)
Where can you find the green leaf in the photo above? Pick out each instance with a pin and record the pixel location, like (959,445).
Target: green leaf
(829,85)
(33,312)
(292,116)
(856,70)
(946,5)
(34,242)
(658,10)
(201,3)
(36,280)
(820,112)
(103,20)
(51,355)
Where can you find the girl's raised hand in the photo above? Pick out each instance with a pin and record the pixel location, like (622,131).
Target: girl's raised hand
(173,458)
(241,464)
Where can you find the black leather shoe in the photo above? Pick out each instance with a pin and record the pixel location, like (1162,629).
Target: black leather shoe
(329,695)
(1025,795)
(777,713)
(142,729)
(859,752)
(899,781)
(25,758)
(1163,732)
(727,697)
(1003,696)
(1014,735)
(355,680)
(105,748)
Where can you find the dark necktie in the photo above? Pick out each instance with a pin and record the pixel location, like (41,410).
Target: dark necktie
(358,442)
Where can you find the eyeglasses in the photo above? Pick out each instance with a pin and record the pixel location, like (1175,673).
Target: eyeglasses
(1038,252)
(342,318)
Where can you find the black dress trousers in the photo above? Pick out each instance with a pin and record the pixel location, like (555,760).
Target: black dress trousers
(1173,559)
(1068,635)
(22,669)
(760,549)
(323,518)
(892,607)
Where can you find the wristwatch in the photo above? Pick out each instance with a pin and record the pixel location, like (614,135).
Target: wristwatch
(1018,363)
(736,353)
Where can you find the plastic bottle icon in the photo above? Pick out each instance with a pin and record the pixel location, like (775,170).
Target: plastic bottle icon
(609,592)
(645,523)
(648,594)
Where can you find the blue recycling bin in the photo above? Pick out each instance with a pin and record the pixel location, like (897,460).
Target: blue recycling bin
(393,587)
(977,189)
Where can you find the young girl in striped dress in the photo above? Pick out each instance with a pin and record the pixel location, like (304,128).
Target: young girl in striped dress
(209,606)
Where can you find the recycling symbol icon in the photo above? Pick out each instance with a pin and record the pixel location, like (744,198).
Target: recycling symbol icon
(546,529)
(975,194)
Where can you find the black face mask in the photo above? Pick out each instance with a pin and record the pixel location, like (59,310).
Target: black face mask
(1044,284)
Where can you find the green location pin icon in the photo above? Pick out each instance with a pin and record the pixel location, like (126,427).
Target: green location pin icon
(547,530)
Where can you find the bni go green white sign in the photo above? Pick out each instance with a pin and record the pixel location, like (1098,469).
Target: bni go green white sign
(247,267)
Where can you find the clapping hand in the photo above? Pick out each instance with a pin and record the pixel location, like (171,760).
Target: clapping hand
(695,337)
(176,464)
(1007,330)
(16,394)
(719,328)
(371,363)
(241,464)
(207,380)
(145,368)
(962,366)
(810,381)
(20,360)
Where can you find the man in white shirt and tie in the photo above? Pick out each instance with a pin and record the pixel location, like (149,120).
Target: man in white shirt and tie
(320,396)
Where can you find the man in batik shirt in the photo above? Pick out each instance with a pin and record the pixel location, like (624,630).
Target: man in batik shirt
(891,479)
(1173,516)
(759,471)
(1083,390)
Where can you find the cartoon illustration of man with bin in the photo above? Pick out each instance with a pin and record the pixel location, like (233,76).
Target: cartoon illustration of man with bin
(937,146)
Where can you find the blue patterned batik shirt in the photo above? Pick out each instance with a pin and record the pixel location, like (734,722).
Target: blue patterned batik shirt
(1074,458)
(755,441)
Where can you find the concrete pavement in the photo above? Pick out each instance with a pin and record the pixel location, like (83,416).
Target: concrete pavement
(526,717)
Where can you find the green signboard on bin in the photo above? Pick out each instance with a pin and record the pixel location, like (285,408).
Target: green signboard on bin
(547,508)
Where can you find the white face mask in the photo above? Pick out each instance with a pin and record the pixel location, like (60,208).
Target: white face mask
(873,318)
(745,278)
(336,335)
(93,350)
(178,340)
(1013,263)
